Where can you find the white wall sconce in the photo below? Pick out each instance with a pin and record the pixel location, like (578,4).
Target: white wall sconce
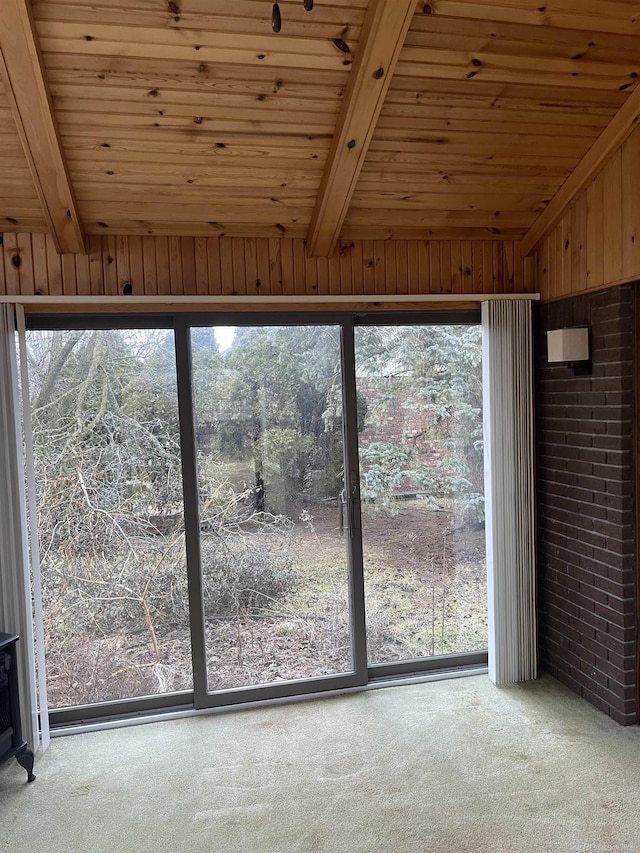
(570,346)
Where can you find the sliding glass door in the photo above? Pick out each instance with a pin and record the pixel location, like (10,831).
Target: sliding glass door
(272,535)
(235,508)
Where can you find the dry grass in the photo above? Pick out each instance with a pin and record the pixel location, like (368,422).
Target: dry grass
(426,594)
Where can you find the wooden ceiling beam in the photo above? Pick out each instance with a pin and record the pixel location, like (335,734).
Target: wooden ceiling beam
(614,134)
(382,37)
(26,88)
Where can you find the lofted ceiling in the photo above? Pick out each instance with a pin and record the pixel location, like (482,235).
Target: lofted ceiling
(359,120)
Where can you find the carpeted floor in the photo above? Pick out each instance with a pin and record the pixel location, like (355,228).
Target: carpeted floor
(444,766)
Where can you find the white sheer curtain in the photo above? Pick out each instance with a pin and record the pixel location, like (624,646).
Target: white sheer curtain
(34,542)
(15,583)
(509,489)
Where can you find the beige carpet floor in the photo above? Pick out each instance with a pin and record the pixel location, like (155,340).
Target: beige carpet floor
(444,766)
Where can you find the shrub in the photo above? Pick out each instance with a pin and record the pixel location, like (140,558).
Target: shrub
(245,573)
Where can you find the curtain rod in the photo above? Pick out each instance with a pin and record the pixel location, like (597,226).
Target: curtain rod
(279,299)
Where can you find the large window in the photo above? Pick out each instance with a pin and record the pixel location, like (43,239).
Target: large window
(422,472)
(236,510)
(110,518)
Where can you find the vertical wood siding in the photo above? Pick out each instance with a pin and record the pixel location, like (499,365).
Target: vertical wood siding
(208,266)
(597,242)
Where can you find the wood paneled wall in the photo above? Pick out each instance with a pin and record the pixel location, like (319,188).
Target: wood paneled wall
(234,266)
(597,242)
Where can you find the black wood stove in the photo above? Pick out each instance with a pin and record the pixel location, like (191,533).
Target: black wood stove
(11,743)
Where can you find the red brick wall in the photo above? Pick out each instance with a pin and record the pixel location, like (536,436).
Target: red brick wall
(391,419)
(586,484)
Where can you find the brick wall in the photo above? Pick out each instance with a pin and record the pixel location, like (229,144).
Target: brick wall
(586,505)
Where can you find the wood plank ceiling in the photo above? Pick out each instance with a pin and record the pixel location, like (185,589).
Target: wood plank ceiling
(193,118)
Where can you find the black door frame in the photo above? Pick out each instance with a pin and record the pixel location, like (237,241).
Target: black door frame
(357,677)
